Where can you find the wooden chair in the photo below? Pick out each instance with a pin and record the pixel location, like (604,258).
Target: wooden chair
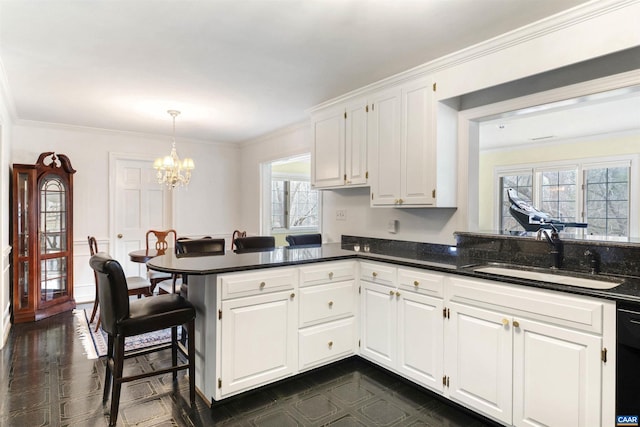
(160,240)
(122,318)
(136,285)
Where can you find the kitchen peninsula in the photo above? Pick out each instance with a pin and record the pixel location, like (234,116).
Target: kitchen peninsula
(421,313)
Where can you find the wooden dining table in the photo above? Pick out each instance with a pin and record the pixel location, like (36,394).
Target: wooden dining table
(144,255)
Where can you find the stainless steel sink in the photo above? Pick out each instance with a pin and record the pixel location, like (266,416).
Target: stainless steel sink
(549,277)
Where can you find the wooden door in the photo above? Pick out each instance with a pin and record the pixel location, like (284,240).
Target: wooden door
(141,204)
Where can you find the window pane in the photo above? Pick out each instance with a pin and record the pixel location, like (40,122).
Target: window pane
(607,201)
(559,194)
(523,185)
(278,204)
(303,210)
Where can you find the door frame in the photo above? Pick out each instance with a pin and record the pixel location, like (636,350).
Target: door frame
(114,158)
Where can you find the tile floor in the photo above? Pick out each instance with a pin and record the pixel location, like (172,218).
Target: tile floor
(47,380)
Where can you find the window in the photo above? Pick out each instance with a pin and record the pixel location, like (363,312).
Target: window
(595,193)
(291,204)
(523,184)
(294,204)
(607,200)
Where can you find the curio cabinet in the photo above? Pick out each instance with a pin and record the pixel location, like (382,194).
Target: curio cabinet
(42,223)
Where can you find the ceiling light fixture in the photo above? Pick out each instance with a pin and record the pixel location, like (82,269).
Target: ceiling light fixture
(170,167)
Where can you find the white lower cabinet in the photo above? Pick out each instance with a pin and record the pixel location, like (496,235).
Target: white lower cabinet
(554,364)
(521,356)
(402,322)
(527,357)
(258,340)
(327,313)
(479,360)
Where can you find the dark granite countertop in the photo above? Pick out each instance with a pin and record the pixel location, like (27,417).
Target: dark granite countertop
(629,290)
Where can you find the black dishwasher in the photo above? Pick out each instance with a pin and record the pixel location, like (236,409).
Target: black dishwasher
(628,363)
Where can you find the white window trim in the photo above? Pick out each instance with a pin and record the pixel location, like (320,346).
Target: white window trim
(266,177)
(630,160)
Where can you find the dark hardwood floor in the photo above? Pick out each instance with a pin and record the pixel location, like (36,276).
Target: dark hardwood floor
(46,379)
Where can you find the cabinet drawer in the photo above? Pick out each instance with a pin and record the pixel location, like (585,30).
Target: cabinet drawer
(324,343)
(421,281)
(327,273)
(378,273)
(262,281)
(326,302)
(577,312)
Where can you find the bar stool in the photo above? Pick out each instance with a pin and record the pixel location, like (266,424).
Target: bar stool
(122,318)
(254,243)
(304,239)
(136,285)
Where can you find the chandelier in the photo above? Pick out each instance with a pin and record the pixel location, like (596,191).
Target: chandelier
(170,168)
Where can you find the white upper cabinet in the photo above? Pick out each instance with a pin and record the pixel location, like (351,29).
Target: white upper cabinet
(339,153)
(412,160)
(327,156)
(384,145)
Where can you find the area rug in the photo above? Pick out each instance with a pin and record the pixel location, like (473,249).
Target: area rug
(98,338)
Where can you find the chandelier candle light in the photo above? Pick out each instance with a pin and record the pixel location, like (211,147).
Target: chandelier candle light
(170,168)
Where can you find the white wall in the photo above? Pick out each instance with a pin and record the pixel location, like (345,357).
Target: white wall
(542,47)
(208,206)
(288,142)
(5,232)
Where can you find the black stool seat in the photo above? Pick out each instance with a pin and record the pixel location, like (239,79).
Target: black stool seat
(158,312)
(122,318)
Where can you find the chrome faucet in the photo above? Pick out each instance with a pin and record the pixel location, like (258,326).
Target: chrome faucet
(554,241)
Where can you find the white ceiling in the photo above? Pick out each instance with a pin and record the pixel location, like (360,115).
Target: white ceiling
(236,69)
(616,111)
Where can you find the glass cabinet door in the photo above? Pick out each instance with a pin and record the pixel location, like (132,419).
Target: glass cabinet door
(53,243)
(22,229)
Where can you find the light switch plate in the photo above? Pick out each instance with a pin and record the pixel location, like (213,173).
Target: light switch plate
(392,226)
(341,215)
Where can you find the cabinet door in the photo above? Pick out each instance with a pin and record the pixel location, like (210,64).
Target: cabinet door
(384,142)
(479,360)
(258,341)
(420,339)
(378,320)
(327,157)
(356,144)
(418,148)
(557,368)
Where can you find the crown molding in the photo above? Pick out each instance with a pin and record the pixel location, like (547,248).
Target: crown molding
(275,134)
(114,132)
(545,26)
